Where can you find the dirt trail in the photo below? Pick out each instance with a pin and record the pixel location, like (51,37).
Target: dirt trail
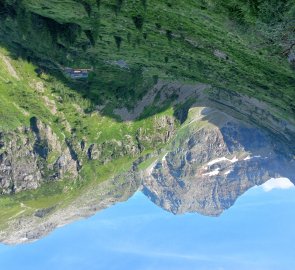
(9,67)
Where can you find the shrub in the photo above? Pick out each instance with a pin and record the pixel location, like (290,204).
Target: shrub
(138,21)
(118,41)
(169,34)
(90,37)
(144,3)
(129,37)
(158,26)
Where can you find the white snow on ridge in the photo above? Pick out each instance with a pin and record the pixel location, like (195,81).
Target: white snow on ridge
(249,157)
(277,183)
(212,162)
(151,167)
(164,157)
(213,173)
(235,159)
(228,172)
(217,170)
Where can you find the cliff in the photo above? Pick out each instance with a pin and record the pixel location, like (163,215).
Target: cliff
(30,156)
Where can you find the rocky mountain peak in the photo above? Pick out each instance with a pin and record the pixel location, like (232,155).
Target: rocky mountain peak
(208,167)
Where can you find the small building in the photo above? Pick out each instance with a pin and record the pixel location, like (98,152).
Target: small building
(77,73)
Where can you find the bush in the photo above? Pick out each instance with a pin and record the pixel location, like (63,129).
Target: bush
(169,34)
(158,26)
(138,21)
(118,41)
(144,3)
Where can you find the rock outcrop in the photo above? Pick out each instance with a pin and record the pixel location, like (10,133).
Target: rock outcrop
(18,162)
(31,156)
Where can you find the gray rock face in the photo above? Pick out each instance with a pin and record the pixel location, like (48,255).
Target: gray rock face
(30,156)
(209,166)
(18,163)
(220,55)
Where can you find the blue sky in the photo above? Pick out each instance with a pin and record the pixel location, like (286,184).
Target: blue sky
(256,233)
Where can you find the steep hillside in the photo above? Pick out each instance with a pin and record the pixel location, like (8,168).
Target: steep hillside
(127,42)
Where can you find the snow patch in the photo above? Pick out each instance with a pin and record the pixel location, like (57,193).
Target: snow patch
(235,159)
(164,157)
(213,173)
(151,168)
(249,157)
(228,172)
(221,160)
